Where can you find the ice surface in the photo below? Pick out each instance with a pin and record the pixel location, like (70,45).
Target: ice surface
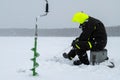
(15,55)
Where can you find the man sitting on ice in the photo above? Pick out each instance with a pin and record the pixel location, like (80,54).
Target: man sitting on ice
(93,38)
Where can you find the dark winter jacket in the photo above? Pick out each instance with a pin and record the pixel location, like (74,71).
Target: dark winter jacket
(94,31)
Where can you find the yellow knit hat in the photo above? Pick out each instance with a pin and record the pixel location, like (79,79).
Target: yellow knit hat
(80,17)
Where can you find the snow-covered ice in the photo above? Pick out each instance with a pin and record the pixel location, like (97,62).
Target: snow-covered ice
(15,55)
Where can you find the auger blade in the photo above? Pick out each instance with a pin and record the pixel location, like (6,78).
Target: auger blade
(35,74)
(36,65)
(32,59)
(37,55)
(32,69)
(33,49)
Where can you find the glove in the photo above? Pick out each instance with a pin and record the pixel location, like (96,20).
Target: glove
(75,42)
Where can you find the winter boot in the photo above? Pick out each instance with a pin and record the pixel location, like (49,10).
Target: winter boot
(84,59)
(77,62)
(65,55)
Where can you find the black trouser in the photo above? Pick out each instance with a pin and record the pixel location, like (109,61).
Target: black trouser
(82,55)
(98,45)
(73,52)
(84,46)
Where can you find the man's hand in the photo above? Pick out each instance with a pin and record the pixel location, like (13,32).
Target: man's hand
(75,42)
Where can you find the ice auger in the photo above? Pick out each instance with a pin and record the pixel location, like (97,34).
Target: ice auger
(36,54)
(34,49)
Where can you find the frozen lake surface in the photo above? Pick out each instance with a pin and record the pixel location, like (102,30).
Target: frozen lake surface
(15,55)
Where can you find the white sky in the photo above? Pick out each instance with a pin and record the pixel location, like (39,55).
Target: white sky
(22,13)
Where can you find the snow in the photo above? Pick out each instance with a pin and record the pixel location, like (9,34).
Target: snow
(15,55)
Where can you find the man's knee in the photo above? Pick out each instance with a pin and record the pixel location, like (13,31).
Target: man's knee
(85,45)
